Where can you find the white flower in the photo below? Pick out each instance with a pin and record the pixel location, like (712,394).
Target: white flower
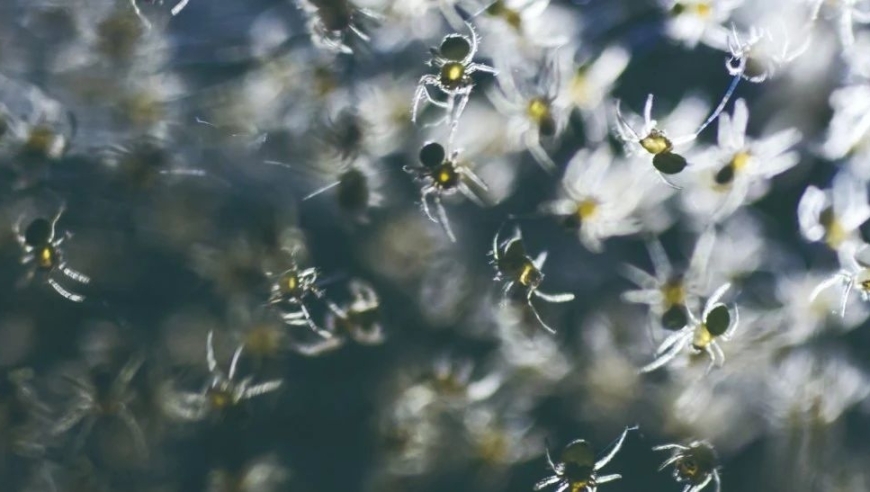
(694,21)
(595,201)
(738,169)
(845,13)
(834,215)
(849,130)
(588,84)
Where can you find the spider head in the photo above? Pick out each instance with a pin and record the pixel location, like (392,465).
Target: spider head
(540,112)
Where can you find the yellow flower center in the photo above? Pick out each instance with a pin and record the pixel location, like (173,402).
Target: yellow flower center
(740,160)
(538,110)
(587,208)
(673,294)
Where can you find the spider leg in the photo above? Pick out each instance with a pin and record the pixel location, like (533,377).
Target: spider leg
(668,356)
(846,293)
(671,340)
(480,67)
(473,177)
(701,485)
(670,461)
(442,218)
(623,125)
(556,298)
(424,202)
(356,30)
(235,363)
(607,478)
(209,353)
(63,292)
(547,482)
(536,313)
(179,7)
(456,111)
(74,274)
(667,181)
(549,458)
(320,331)
(27,258)
(563,487)
(616,447)
(469,194)
(647,114)
(423,93)
(262,389)
(664,447)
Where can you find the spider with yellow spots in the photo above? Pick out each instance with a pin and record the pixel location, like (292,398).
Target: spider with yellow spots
(222,393)
(42,250)
(513,264)
(654,141)
(716,323)
(695,464)
(442,175)
(577,469)
(453,59)
(290,291)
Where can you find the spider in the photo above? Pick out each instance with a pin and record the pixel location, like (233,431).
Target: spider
(716,324)
(443,176)
(760,55)
(99,396)
(143,162)
(514,265)
(856,272)
(223,392)
(453,59)
(362,322)
(577,469)
(289,292)
(654,141)
(695,464)
(42,248)
(331,21)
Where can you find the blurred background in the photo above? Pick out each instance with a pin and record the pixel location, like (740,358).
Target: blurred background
(188,160)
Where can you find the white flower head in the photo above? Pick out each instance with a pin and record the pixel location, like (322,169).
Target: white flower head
(699,21)
(834,215)
(737,171)
(594,200)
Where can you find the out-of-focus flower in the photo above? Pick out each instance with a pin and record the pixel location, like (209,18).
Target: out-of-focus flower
(804,315)
(589,82)
(834,215)
(595,202)
(737,171)
(528,94)
(500,438)
(845,13)
(699,21)
(759,54)
(855,273)
(671,294)
(262,474)
(848,133)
